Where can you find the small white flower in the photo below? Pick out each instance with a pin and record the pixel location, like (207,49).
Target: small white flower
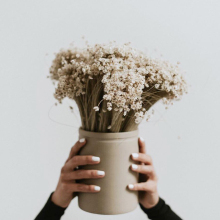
(96,108)
(157,86)
(127,78)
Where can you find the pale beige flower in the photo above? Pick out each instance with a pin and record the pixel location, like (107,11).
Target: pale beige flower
(118,78)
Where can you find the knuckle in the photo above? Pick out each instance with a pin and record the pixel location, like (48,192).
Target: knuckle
(75,159)
(78,160)
(90,188)
(81,187)
(93,173)
(150,159)
(150,169)
(153,170)
(79,173)
(141,168)
(62,176)
(65,187)
(88,158)
(62,170)
(142,187)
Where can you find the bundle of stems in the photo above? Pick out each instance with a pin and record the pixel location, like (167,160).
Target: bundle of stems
(114,86)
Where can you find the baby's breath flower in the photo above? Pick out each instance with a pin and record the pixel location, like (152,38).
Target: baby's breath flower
(157,86)
(130,81)
(96,108)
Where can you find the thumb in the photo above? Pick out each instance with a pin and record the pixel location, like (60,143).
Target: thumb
(141,143)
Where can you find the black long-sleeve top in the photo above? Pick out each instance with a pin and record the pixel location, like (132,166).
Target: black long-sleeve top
(161,211)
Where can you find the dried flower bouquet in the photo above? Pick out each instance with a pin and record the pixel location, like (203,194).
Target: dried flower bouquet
(114,86)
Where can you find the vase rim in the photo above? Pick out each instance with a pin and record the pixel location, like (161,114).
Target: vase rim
(108,135)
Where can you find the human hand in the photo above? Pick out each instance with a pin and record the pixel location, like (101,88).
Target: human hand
(147,186)
(67,187)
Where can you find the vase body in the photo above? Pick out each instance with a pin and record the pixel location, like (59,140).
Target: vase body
(114,150)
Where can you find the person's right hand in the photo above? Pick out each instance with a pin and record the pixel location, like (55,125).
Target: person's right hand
(67,187)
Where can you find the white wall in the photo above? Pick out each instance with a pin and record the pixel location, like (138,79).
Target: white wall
(33,147)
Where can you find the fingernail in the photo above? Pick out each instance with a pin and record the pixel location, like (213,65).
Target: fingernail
(142,139)
(134,155)
(82,140)
(96,158)
(134,166)
(130,186)
(101,173)
(97,188)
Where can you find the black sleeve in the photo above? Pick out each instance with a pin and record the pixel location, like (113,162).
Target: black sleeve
(50,211)
(161,211)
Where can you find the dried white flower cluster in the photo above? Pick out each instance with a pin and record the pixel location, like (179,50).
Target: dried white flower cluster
(118,78)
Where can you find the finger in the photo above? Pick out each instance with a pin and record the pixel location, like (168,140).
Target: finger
(149,186)
(77,187)
(79,160)
(141,157)
(142,148)
(83,174)
(144,169)
(75,149)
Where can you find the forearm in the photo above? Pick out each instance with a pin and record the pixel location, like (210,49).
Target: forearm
(161,211)
(50,211)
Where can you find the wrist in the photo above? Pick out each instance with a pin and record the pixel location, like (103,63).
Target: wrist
(61,200)
(151,201)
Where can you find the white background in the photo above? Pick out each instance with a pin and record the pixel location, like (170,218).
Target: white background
(183,140)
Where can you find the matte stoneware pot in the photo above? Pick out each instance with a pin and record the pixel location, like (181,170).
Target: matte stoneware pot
(114,150)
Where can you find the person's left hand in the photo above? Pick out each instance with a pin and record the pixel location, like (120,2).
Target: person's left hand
(147,186)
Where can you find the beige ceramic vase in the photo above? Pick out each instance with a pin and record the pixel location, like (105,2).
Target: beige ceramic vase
(114,150)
